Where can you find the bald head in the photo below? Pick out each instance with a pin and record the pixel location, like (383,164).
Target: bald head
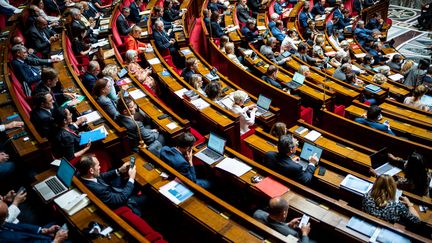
(17,40)
(3,212)
(278,207)
(41,22)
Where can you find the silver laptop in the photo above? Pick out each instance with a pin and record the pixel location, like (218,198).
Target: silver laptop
(307,151)
(58,184)
(263,105)
(297,81)
(214,151)
(381,164)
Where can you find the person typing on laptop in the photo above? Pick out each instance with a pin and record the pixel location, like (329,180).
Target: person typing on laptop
(180,158)
(284,163)
(108,186)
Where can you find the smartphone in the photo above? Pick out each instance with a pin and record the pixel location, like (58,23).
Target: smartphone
(304,220)
(163,116)
(21,189)
(64,227)
(386,122)
(132,161)
(321,171)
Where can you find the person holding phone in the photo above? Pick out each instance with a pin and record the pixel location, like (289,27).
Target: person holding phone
(14,199)
(371,119)
(276,218)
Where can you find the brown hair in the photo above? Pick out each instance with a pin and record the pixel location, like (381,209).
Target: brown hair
(384,190)
(100,84)
(278,129)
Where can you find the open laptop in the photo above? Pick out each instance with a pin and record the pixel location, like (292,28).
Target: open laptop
(296,82)
(212,75)
(381,165)
(214,151)
(307,151)
(58,184)
(283,55)
(263,105)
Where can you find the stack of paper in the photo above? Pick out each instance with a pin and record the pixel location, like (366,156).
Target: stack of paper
(176,192)
(180,92)
(144,12)
(185,51)
(104,21)
(200,103)
(92,116)
(376,234)
(234,166)
(108,53)
(396,77)
(72,201)
(271,187)
(361,226)
(360,55)
(154,61)
(313,135)
(330,53)
(58,56)
(227,102)
(261,27)
(231,29)
(356,185)
(136,94)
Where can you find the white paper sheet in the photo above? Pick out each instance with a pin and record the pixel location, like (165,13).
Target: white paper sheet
(234,166)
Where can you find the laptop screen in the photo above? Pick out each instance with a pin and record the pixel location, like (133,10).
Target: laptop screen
(122,73)
(264,102)
(216,143)
(65,172)
(309,150)
(299,78)
(379,158)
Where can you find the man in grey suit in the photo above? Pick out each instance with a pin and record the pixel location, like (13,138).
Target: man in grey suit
(267,51)
(135,130)
(341,72)
(276,216)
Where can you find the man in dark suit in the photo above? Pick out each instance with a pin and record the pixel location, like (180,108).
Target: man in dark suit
(40,37)
(134,15)
(361,32)
(164,40)
(91,75)
(108,186)
(376,22)
(215,6)
(372,118)
(270,76)
(318,8)
(135,130)
(24,72)
(49,84)
(180,158)
(51,6)
(305,15)
(243,11)
(190,69)
(20,232)
(283,162)
(250,31)
(41,115)
(122,23)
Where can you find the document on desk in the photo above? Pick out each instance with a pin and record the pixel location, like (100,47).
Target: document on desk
(271,187)
(360,55)
(356,185)
(136,94)
(200,103)
(58,56)
(313,135)
(388,236)
(180,92)
(396,77)
(176,192)
(72,201)
(185,51)
(92,116)
(104,21)
(231,29)
(261,27)
(227,102)
(154,61)
(234,166)
(361,226)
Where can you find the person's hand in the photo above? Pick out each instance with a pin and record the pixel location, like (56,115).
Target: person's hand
(287,59)
(73,102)
(305,229)
(294,223)
(50,230)
(60,236)
(373,172)
(81,121)
(132,172)
(405,201)
(55,59)
(296,159)
(394,158)
(19,198)
(14,124)
(124,168)
(172,42)
(313,159)
(70,96)
(30,51)
(88,145)
(364,115)
(8,198)
(189,156)
(3,157)
(169,31)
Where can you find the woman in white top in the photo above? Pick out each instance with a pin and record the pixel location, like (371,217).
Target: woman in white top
(246,120)
(414,100)
(290,42)
(229,50)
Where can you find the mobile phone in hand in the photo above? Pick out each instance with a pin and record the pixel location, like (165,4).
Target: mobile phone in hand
(21,189)
(132,161)
(304,221)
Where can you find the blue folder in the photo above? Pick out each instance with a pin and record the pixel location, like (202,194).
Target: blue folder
(91,136)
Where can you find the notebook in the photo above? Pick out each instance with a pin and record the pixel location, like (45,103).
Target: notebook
(263,105)
(372,88)
(381,165)
(58,184)
(307,151)
(296,82)
(214,151)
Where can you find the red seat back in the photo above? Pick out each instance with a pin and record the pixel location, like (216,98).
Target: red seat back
(306,113)
(116,36)
(244,148)
(339,110)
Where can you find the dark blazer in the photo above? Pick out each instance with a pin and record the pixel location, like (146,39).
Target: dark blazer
(373,24)
(22,233)
(216,30)
(42,121)
(122,25)
(272,82)
(58,96)
(162,40)
(175,159)
(149,136)
(108,105)
(216,7)
(243,13)
(25,72)
(89,81)
(51,6)
(171,15)
(303,18)
(375,125)
(284,165)
(134,13)
(249,34)
(357,6)
(318,9)
(65,143)
(167,25)
(362,35)
(39,40)
(77,27)
(112,196)
(187,73)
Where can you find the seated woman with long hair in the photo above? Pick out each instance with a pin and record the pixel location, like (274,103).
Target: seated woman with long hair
(415,99)
(197,82)
(101,92)
(279,129)
(381,202)
(143,75)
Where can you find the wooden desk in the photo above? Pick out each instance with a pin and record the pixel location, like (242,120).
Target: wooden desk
(407,111)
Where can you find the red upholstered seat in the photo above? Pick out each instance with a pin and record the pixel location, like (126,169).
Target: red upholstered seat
(199,138)
(79,63)
(306,113)
(339,109)
(139,224)
(169,61)
(244,148)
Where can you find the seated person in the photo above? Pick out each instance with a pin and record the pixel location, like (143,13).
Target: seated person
(341,72)
(123,26)
(28,232)
(427,78)
(215,6)
(91,75)
(336,61)
(25,72)
(164,40)
(317,49)
(110,187)
(41,36)
(216,29)
(379,78)
(367,62)
(413,75)
(229,48)
(135,9)
(141,74)
(278,31)
(132,43)
(283,163)
(310,33)
(157,15)
(247,113)
(250,31)
(361,33)
(270,76)
(278,7)
(110,73)
(279,129)
(319,8)
(425,18)
(213,91)
(302,55)
(243,12)
(273,18)
(101,91)
(65,139)
(305,71)
(170,13)
(80,47)
(396,62)
(197,82)
(223,41)
(381,203)
(49,83)
(415,99)
(191,68)
(305,15)
(41,114)
(137,134)
(372,118)
(180,158)
(351,78)
(375,51)
(267,51)
(290,42)
(13,200)
(376,22)
(276,218)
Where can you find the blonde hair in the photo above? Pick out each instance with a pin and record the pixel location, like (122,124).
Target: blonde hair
(110,70)
(303,69)
(239,96)
(194,80)
(383,190)
(379,78)
(229,48)
(407,66)
(136,28)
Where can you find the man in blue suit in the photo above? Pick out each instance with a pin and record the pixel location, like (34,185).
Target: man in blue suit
(372,118)
(215,6)
(318,8)
(41,114)
(375,23)
(305,15)
(278,31)
(134,15)
(91,75)
(284,162)
(20,232)
(108,186)
(250,30)
(122,23)
(164,40)
(24,72)
(180,158)
(361,33)
(375,51)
